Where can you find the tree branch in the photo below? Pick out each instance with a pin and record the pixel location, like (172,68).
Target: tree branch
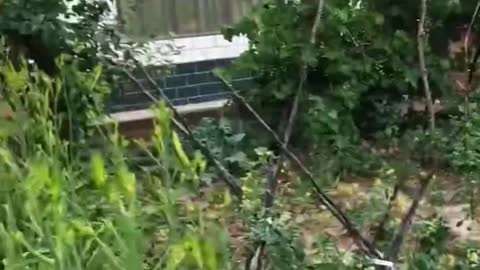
(181,124)
(395,246)
(421,37)
(273,180)
(469,33)
(471,62)
(379,230)
(473,65)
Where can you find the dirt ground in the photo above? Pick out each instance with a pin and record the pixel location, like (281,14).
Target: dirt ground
(314,222)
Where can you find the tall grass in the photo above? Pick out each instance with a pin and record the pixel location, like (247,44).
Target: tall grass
(59,210)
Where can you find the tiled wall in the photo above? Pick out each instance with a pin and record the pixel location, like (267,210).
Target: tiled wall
(189,83)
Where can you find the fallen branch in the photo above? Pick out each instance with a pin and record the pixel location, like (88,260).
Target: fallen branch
(362,243)
(181,124)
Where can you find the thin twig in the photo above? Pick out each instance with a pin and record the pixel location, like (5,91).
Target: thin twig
(273,180)
(394,248)
(471,62)
(362,243)
(421,36)
(396,244)
(473,65)
(380,228)
(469,32)
(181,124)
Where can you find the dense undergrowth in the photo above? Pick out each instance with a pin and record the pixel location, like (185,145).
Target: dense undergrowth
(72,195)
(63,211)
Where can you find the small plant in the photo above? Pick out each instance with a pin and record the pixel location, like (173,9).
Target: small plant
(432,236)
(282,244)
(465,154)
(228,146)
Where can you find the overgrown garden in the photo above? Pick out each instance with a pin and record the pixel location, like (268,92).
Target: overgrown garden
(356,147)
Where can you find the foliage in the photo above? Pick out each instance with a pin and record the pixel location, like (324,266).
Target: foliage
(465,153)
(67,40)
(362,75)
(81,207)
(43,30)
(283,244)
(226,145)
(433,237)
(60,212)
(76,97)
(362,85)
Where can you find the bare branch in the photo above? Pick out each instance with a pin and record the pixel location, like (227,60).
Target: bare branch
(380,228)
(473,65)
(469,33)
(421,36)
(181,124)
(273,180)
(471,68)
(395,246)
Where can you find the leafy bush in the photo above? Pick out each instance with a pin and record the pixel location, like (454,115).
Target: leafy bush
(44,30)
(360,77)
(464,156)
(226,145)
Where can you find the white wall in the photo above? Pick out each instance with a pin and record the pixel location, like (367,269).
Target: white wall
(196,49)
(186,50)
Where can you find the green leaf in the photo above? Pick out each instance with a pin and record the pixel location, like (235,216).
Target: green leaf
(98,170)
(239,157)
(309,56)
(236,138)
(176,256)
(333,114)
(379,19)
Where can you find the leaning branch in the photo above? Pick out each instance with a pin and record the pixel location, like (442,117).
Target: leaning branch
(395,246)
(273,180)
(466,44)
(421,37)
(362,243)
(471,62)
(473,65)
(379,230)
(181,124)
